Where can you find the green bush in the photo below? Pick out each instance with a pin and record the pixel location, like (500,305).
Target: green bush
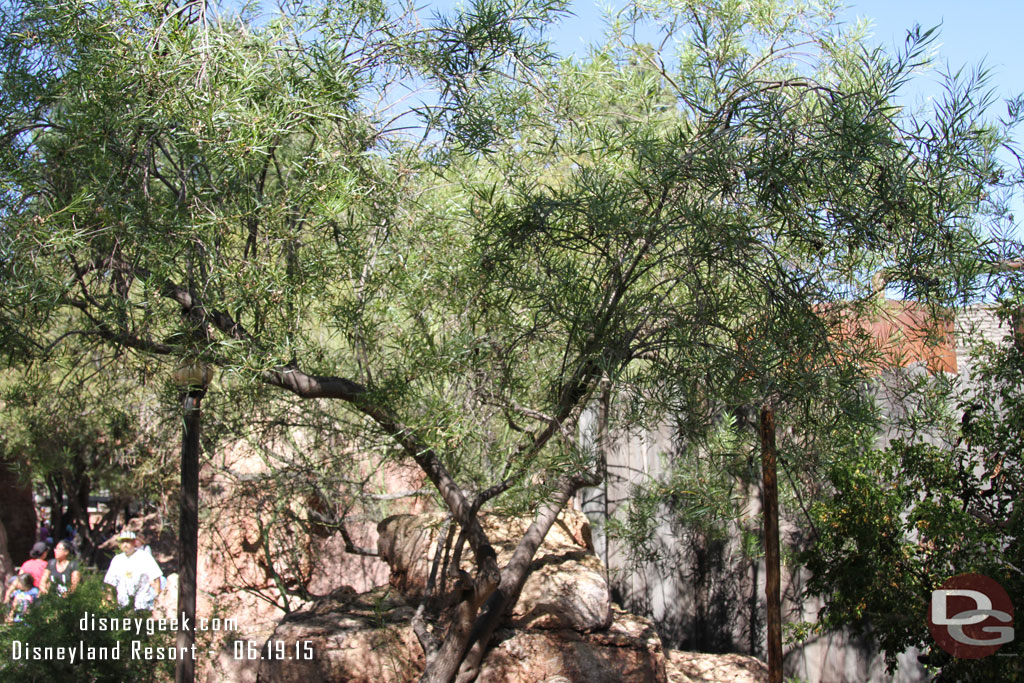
(51,643)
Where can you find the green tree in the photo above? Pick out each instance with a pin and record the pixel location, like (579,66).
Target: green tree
(688,225)
(78,425)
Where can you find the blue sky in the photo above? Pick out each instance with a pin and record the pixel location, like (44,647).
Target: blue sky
(970,31)
(983,31)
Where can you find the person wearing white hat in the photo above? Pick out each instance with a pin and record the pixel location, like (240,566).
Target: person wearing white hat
(135,576)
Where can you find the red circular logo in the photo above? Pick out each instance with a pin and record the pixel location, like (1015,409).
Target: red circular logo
(971,616)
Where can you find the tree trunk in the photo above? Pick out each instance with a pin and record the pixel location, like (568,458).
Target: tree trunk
(78,514)
(464,648)
(441,668)
(56,490)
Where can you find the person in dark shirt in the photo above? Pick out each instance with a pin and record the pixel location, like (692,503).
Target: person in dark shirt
(62,571)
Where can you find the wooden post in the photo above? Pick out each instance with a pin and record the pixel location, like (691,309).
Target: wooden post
(770,511)
(188,538)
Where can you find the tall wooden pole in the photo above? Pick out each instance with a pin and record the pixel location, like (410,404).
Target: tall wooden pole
(188,538)
(770,511)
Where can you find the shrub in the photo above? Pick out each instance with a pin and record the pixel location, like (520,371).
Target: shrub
(82,637)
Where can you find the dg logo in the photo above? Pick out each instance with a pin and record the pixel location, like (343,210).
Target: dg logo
(971,616)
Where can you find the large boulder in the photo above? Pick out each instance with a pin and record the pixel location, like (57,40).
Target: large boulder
(628,650)
(367,638)
(565,591)
(699,667)
(567,587)
(357,638)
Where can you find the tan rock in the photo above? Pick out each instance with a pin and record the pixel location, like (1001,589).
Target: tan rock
(629,650)
(368,639)
(567,586)
(334,567)
(565,591)
(227,668)
(364,638)
(711,668)
(408,544)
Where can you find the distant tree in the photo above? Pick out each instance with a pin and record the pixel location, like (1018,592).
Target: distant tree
(685,227)
(77,426)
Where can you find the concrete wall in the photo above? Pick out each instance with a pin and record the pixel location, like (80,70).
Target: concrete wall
(976,322)
(704,592)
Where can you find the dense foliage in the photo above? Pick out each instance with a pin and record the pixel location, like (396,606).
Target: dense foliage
(80,427)
(454,273)
(942,499)
(103,653)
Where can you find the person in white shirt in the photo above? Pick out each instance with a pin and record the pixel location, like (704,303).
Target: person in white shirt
(134,575)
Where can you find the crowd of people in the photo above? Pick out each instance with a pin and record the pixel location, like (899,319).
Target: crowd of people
(134,576)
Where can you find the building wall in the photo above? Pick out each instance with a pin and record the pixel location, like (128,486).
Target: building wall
(976,322)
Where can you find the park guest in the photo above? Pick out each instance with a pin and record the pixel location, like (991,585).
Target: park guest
(62,571)
(36,565)
(22,597)
(135,576)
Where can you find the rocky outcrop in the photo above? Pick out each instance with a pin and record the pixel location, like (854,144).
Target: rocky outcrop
(698,667)
(248,550)
(568,591)
(367,638)
(628,650)
(567,587)
(564,628)
(358,638)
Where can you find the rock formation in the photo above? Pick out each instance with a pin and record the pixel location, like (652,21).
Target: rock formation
(567,587)
(564,628)
(367,638)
